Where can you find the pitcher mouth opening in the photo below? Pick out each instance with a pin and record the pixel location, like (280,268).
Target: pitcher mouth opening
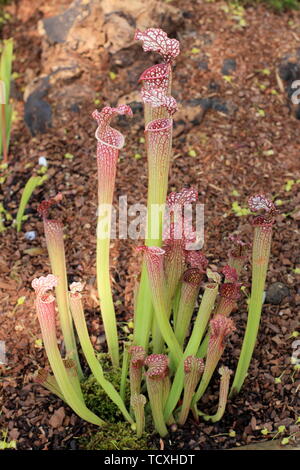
(159,125)
(163,73)
(47,298)
(117,135)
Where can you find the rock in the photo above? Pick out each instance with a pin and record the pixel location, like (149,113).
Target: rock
(14,434)
(288,72)
(43,161)
(229,65)
(202,64)
(276,293)
(193,111)
(92,29)
(79,44)
(30,235)
(213,85)
(57,418)
(58,27)
(37,111)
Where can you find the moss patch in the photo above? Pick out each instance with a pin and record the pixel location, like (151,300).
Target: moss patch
(117,436)
(95,397)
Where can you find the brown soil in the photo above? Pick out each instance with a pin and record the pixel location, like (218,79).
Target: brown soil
(244,150)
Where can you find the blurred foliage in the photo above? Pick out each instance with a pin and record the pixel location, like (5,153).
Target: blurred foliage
(277,5)
(6,58)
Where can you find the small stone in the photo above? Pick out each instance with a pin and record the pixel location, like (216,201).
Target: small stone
(57,418)
(43,161)
(276,293)
(30,235)
(14,434)
(228,66)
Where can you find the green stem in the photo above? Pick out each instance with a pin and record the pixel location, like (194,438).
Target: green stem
(109,143)
(154,262)
(175,307)
(124,372)
(189,294)
(143,314)
(88,350)
(55,245)
(71,369)
(202,351)
(157,386)
(46,315)
(3,131)
(138,402)
(106,300)
(260,260)
(220,329)
(193,369)
(224,387)
(159,150)
(205,309)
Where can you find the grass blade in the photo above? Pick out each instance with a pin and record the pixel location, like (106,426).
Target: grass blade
(32,183)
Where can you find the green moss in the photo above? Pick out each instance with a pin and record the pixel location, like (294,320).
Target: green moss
(118,436)
(95,397)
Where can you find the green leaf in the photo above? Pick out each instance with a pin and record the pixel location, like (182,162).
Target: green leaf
(238,210)
(5,77)
(243,23)
(268,153)
(278,202)
(69,156)
(288,185)
(228,78)
(8,445)
(261,113)
(6,65)
(264,431)
(192,153)
(38,343)
(21,300)
(281,429)
(32,183)
(285,441)
(112,75)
